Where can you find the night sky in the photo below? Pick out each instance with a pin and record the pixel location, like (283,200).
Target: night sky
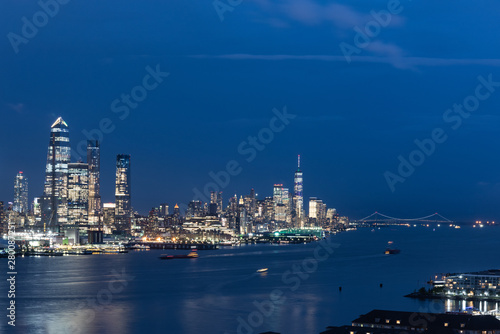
(353,119)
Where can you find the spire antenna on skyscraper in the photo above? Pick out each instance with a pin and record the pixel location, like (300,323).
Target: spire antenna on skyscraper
(299,162)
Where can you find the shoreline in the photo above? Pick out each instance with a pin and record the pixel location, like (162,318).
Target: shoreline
(427,296)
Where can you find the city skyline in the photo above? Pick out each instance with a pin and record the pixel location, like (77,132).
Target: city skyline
(93,149)
(261,166)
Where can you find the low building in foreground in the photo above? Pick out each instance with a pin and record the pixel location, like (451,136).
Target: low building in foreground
(392,322)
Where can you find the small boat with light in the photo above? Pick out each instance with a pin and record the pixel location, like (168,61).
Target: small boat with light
(391,250)
(192,255)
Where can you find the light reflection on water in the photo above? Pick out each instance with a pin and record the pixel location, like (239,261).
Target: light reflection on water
(212,292)
(461,305)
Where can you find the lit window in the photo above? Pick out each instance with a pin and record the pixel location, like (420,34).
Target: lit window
(445,324)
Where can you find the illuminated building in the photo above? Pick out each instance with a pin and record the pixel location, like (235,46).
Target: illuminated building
(123,201)
(21,193)
(78,193)
(216,198)
(313,207)
(317,211)
(269,208)
(108,217)
(94,167)
(278,194)
(163,210)
(177,211)
(298,198)
(194,209)
(55,191)
(37,211)
(484,283)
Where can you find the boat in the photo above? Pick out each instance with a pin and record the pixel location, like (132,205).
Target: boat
(191,255)
(391,250)
(263,270)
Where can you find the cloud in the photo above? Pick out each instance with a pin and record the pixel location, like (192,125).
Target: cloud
(385,49)
(394,57)
(17,107)
(310,12)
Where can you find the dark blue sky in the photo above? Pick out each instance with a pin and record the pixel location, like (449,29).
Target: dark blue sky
(353,119)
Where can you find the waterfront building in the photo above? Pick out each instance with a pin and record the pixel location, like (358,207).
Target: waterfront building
(78,193)
(123,198)
(482,284)
(21,193)
(55,191)
(298,198)
(94,172)
(317,211)
(392,322)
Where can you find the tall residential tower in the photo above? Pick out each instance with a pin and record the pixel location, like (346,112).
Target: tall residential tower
(55,191)
(94,167)
(21,193)
(78,193)
(123,209)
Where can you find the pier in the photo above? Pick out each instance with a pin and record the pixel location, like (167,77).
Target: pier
(164,245)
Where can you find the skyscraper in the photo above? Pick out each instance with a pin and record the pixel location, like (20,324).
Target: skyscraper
(94,167)
(278,194)
(55,192)
(78,193)
(216,198)
(21,193)
(279,207)
(163,210)
(298,198)
(123,200)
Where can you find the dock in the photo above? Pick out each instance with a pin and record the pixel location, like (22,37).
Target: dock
(164,245)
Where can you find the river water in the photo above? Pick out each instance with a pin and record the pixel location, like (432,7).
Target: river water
(221,292)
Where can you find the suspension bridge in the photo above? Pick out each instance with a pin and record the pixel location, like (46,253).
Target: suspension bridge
(378,217)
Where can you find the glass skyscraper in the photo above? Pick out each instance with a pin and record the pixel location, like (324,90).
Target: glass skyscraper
(123,209)
(21,193)
(78,193)
(55,191)
(94,165)
(298,196)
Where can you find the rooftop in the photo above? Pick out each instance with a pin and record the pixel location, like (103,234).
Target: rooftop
(429,320)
